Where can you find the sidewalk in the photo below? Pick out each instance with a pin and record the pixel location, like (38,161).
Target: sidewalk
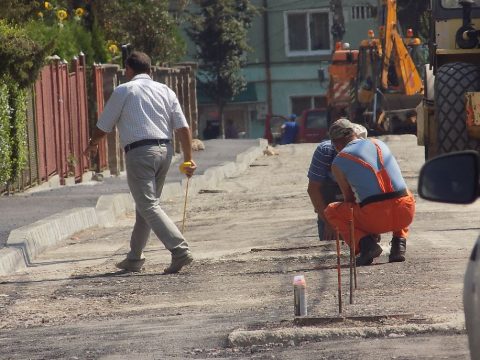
(34,221)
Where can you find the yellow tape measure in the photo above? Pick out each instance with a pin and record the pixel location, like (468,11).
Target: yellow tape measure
(183,166)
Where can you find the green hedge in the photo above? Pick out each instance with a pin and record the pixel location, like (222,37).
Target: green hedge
(5,137)
(18,127)
(13,131)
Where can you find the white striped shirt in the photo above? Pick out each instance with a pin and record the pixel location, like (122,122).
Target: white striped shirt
(142,109)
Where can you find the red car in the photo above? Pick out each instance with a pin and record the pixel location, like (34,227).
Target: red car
(313,126)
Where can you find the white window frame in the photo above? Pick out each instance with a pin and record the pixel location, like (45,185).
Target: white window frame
(308,52)
(311,96)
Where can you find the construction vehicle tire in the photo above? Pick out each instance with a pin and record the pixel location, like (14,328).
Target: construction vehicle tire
(451,82)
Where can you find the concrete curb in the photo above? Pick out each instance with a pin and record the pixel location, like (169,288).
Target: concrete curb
(244,338)
(26,243)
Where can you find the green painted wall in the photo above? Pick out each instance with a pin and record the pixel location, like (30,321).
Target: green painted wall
(291,75)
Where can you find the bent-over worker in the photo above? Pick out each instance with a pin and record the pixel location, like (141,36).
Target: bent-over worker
(372,184)
(322,187)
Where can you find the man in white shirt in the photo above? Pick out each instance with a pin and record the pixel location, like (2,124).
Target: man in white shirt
(146,113)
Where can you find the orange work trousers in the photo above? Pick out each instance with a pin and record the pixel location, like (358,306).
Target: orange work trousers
(392,215)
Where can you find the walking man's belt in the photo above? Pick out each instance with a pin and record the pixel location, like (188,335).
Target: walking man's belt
(146,142)
(386,196)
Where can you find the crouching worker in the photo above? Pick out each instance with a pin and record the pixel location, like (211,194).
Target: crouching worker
(372,184)
(322,187)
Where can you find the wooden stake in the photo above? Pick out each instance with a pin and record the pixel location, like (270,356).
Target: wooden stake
(352,239)
(352,260)
(339,274)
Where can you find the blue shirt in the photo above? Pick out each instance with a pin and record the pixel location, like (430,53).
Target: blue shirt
(290,130)
(320,166)
(363,181)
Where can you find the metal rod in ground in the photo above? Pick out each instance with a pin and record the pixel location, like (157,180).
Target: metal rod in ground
(352,239)
(352,259)
(339,274)
(185,206)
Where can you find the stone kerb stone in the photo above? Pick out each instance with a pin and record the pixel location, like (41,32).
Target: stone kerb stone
(35,238)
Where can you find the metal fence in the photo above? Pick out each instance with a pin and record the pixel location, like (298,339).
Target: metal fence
(59,122)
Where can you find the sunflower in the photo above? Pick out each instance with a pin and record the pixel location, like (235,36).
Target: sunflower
(79,12)
(62,15)
(113,49)
(47,5)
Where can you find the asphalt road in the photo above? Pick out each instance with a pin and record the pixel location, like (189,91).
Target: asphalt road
(25,208)
(250,236)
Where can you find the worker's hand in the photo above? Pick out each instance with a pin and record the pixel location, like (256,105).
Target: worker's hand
(188,168)
(91,150)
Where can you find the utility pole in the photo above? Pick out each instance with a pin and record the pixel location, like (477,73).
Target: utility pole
(338,25)
(266,46)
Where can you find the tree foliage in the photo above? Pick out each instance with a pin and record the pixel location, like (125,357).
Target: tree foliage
(17,11)
(21,58)
(220,32)
(146,25)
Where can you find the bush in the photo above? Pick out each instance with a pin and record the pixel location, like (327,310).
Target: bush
(18,129)
(21,58)
(5,137)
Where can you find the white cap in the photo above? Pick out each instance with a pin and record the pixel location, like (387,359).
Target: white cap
(360,131)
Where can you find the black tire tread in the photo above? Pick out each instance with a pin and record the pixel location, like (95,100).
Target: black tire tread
(451,82)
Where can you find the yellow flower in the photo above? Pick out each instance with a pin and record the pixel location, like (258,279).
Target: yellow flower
(40,15)
(48,5)
(79,12)
(113,48)
(62,15)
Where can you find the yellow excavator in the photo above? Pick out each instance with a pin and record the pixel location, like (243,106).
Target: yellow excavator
(388,85)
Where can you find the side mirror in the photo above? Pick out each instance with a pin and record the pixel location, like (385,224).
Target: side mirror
(451,178)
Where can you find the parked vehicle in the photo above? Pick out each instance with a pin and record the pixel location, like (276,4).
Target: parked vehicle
(313,126)
(380,82)
(448,118)
(454,178)
(342,73)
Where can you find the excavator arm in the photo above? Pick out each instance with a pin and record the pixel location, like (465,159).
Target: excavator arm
(397,56)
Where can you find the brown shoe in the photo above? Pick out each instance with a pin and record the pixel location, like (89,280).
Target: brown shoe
(130,265)
(178,263)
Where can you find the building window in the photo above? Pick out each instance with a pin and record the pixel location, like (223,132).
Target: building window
(307,33)
(360,12)
(301,103)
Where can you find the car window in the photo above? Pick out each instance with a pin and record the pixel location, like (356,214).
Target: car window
(453,4)
(317,120)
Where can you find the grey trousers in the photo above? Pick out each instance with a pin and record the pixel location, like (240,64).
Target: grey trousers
(147,168)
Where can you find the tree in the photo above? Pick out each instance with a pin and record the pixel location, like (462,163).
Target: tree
(220,32)
(18,10)
(147,25)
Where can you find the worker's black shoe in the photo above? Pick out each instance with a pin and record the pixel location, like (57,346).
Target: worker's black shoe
(397,250)
(369,250)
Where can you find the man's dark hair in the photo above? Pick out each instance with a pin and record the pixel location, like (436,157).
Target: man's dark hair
(139,62)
